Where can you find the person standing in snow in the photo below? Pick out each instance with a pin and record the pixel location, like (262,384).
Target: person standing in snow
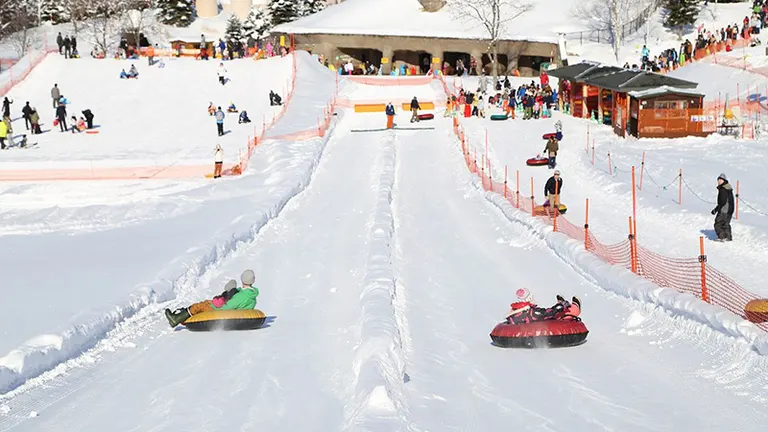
(483,82)
(415,110)
(55,95)
(551,149)
(390,111)
(7,107)
(553,188)
(3,134)
(219,116)
(26,111)
(480,106)
(60,42)
(724,210)
(218,161)
(61,115)
(222,73)
(67,47)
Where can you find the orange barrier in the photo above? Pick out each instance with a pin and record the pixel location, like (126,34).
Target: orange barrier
(408,80)
(370,108)
(688,275)
(18,73)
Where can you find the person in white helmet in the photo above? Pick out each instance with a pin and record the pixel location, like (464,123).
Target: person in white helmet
(233,298)
(525,309)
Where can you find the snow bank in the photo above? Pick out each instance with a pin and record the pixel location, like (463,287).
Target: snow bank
(286,169)
(617,279)
(380,395)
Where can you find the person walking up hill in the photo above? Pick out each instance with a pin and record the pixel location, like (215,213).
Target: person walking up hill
(724,210)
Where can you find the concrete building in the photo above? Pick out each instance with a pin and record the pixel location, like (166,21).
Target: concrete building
(424,32)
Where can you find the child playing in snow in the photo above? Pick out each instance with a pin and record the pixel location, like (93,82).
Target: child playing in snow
(211,108)
(244,117)
(79,125)
(222,73)
(232,108)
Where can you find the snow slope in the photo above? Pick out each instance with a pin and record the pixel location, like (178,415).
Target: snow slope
(382,280)
(97,263)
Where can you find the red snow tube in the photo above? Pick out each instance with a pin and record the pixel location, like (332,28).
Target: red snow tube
(547,136)
(537,162)
(540,334)
(429,116)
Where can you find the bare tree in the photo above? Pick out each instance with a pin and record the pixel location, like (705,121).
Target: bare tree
(611,15)
(139,18)
(103,25)
(493,16)
(18,25)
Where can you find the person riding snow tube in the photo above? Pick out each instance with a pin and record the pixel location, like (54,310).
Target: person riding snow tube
(528,325)
(233,298)
(244,117)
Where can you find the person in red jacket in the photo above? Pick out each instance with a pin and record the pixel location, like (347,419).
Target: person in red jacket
(525,309)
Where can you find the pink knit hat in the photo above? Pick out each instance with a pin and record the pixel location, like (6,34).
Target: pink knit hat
(524,295)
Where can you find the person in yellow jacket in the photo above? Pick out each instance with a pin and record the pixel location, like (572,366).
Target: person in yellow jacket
(3,134)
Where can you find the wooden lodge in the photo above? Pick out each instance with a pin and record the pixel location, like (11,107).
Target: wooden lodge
(638,103)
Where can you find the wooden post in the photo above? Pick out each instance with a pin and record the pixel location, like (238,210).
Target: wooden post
(593,152)
(680,188)
(634,204)
(642,168)
(736,210)
(610,165)
(587,139)
(703,261)
(586,225)
(532,198)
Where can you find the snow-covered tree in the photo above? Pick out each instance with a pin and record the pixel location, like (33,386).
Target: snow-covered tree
(234,30)
(178,13)
(138,19)
(283,11)
(104,27)
(309,7)
(493,16)
(54,11)
(17,21)
(681,13)
(611,15)
(256,24)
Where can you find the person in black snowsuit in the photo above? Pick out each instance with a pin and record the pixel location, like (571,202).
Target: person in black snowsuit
(724,210)
(275,99)
(88,118)
(553,189)
(67,47)
(60,42)
(61,115)
(415,110)
(26,112)
(7,107)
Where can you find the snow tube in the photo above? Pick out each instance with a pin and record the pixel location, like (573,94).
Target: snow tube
(428,116)
(547,210)
(537,162)
(540,334)
(547,136)
(499,117)
(91,131)
(226,320)
(757,310)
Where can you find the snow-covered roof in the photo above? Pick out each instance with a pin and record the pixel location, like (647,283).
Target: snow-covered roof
(658,91)
(407,18)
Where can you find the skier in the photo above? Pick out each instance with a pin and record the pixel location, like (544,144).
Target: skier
(221,72)
(390,111)
(219,116)
(525,309)
(724,209)
(26,111)
(415,109)
(218,161)
(551,149)
(553,188)
(55,95)
(233,298)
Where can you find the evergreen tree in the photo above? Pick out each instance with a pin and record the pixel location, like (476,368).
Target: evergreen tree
(53,11)
(681,13)
(234,29)
(309,7)
(178,13)
(283,11)
(257,24)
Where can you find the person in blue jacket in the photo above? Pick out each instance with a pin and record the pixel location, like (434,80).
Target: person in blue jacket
(390,111)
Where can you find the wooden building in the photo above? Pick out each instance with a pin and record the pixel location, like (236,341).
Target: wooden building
(638,103)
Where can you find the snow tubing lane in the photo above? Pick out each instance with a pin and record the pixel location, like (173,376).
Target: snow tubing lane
(757,311)
(537,162)
(426,116)
(554,333)
(226,320)
(499,117)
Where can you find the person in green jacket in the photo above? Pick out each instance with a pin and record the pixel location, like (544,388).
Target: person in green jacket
(233,298)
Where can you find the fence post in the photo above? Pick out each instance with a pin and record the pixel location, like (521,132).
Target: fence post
(610,165)
(680,188)
(632,249)
(517,188)
(586,226)
(736,215)
(505,181)
(593,152)
(587,139)
(532,197)
(634,204)
(703,261)
(642,168)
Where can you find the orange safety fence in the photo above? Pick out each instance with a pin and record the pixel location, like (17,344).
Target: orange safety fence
(688,275)
(21,69)
(413,80)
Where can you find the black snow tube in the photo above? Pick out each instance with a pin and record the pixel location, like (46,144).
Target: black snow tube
(540,334)
(226,320)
